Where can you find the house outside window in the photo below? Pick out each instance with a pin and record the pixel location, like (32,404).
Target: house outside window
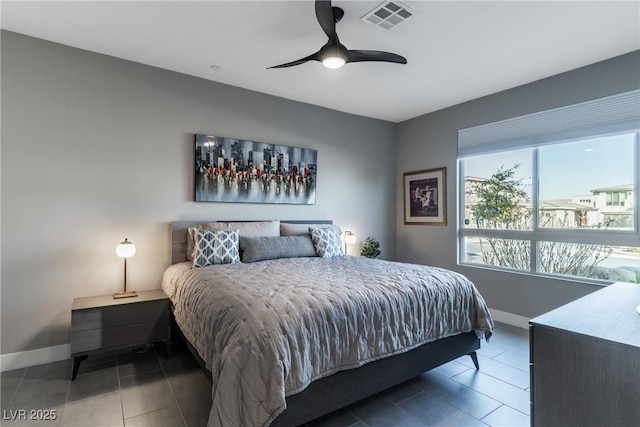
(560,207)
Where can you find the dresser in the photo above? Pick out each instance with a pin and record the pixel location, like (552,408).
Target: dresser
(585,361)
(102,323)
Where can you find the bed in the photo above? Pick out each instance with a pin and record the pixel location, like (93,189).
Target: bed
(288,336)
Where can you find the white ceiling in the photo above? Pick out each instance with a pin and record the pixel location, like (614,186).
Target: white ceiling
(456,50)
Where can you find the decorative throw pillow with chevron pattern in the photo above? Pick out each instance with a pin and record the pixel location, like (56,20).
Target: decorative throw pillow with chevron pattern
(216,247)
(326,241)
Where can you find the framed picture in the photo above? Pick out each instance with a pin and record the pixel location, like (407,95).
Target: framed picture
(425,201)
(239,171)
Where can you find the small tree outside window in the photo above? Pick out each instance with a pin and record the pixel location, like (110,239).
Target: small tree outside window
(502,203)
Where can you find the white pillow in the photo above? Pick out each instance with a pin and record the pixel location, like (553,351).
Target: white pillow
(216,247)
(326,241)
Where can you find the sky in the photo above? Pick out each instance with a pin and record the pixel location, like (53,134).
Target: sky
(568,169)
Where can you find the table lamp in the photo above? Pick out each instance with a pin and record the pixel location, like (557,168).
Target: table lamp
(125,250)
(349,239)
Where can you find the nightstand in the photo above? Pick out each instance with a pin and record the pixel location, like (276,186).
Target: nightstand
(102,323)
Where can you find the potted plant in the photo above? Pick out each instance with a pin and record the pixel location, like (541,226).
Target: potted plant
(371,248)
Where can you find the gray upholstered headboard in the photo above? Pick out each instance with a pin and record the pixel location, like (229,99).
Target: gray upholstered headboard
(179,235)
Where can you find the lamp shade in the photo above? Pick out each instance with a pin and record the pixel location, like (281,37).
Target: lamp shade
(126,249)
(349,238)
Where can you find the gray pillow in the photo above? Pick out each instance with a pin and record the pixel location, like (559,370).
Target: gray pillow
(255,249)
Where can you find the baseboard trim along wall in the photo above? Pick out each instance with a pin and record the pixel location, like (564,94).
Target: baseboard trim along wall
(40,356)
(24,359)
(509,319)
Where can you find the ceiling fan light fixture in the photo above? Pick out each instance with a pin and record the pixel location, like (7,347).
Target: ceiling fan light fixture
(334,54)
(333,62)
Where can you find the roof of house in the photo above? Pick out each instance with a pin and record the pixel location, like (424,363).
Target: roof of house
(624,187)
(564,204)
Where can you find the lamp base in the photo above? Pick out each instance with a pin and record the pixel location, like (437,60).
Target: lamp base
(125,294)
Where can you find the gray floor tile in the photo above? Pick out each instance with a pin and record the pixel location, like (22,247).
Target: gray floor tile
(145,393)
(165,417)
(96,364)
(180,360)
(452,368)
(436,412)
(99,359)
(33,419)
(38,389)
(9,382)
(505,416)
(452,392)
(508,394)
(144,389)
(341,418)
(13,374)
(43,380)
(54,370)
(196,414)
(515,360)
(379,412)
(489,350)
(105,410)
(190,386)
(511,338)
(132,363)
(33,405)
(94,383)
(501,371)
(402,391)
(37,410)
(7,391)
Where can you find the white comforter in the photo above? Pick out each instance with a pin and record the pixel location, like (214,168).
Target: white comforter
(268,329)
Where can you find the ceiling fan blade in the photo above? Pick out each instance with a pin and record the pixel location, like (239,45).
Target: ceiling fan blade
(312,57)
(374,55)
(324,13)
(334,54)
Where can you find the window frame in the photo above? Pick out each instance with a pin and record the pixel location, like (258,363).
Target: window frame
(630,238)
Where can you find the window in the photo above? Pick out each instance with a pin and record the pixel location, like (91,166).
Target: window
(557,205)
(617,198)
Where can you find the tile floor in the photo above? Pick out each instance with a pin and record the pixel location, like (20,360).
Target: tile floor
(144,389)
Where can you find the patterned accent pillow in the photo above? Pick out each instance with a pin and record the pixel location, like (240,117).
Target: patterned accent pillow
(326,241)
(216,247)
(249,228)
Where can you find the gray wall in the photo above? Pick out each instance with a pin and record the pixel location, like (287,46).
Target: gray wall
(430,141)
(95,149)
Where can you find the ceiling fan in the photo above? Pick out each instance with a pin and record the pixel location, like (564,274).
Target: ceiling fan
(334,54)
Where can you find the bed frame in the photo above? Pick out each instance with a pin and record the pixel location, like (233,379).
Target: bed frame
(328,394)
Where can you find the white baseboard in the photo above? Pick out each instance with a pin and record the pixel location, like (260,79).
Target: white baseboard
(24,359)
(40,356)
(510,319)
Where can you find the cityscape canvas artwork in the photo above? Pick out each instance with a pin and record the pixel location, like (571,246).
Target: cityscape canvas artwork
(235,170)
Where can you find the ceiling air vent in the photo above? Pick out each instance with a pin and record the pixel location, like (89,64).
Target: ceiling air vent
(388,15)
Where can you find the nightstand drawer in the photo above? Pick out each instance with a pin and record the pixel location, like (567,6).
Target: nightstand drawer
(157,330)
(85,341)
(135,313)
(84,320)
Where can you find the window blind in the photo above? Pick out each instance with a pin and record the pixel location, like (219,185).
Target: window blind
(612,114)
